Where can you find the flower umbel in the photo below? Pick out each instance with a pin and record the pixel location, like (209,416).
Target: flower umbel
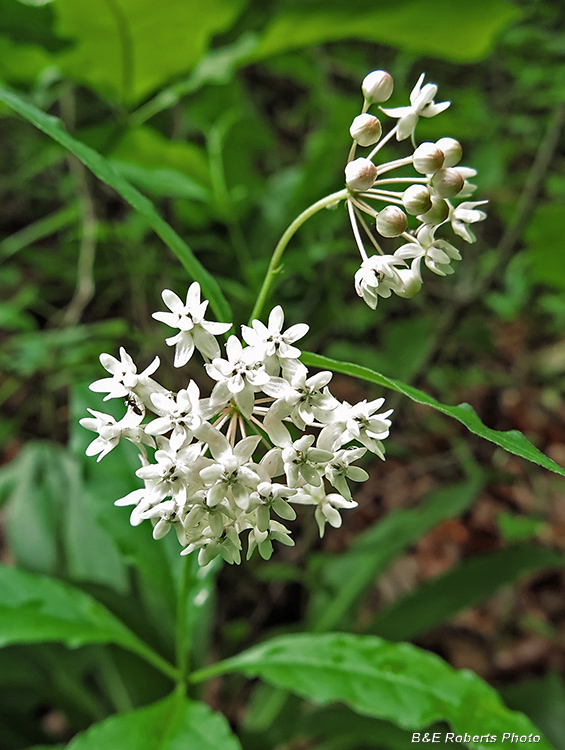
(217,469)
(409,206)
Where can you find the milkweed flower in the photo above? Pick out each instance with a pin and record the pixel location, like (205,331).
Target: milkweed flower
(383,205)
(229,469)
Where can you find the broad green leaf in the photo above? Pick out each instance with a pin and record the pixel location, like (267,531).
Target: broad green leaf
(467,584)
(543,699)
(462,32)
(511,440)
(33,510)
(35,608)
(49,527)
(342,730)
(344,578)
(171,724)
(21,63)
(161,167)
(100,166)
(394,681)
(129,48)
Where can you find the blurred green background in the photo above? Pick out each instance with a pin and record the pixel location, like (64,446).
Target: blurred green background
(233,116)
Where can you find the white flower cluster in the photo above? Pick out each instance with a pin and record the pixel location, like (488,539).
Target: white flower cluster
(221,466)
(427,196)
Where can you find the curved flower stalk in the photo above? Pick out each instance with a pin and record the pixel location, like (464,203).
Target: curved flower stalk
(233,465)
(411,207)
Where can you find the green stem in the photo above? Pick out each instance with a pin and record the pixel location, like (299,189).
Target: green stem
(153,658)
(181,625)
(283,242)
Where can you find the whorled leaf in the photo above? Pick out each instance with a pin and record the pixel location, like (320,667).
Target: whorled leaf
(100,166)
(511,440)
(171,724)
(394,681)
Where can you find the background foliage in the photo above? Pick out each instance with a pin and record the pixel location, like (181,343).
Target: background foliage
(231,117)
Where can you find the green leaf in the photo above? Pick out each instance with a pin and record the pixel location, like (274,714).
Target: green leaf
(99,166)
(21,63)
(35,608)
(462,32)
(543,700)
(171,724)
(469,583)
(34,506)
(129,48)
(396,682)
(344,578)
(49,527)
(143,151)
(511,440)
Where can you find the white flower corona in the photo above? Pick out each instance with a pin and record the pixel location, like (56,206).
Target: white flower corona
(216,469)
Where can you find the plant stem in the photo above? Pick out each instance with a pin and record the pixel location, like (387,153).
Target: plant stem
(181,625)
(283,242)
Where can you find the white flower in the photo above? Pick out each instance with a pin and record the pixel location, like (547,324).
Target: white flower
(273,496)
(269,340)
(339,470)
(181,415)
(238,376)
(262,539)
(301,460)
(231,474)
(304,399)
(125,378)
(326,505)
(110,432)
(227,545)
(172,474)
(378,277)
(437,254)
(421,105)
(358,422)
(194,331)
(466,213)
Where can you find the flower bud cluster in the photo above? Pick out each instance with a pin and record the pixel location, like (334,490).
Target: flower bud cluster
(415,206)
(269,437)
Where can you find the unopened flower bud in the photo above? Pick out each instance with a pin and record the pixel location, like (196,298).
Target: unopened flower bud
(428,158)
(452,151)
(377,86)
(417,199)
(447,183)
(437,213)
(366,129)
(360,174)
(391,221)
